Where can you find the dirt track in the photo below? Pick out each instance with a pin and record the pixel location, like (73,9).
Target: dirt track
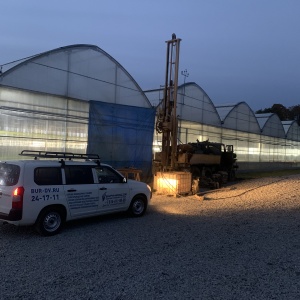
(241,242)
(244,239)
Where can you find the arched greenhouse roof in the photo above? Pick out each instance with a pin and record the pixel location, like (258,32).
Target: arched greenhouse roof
(292,130)
(83,72)
(193,104)
(224,109)
(262,119)
(238,117)
(270,125)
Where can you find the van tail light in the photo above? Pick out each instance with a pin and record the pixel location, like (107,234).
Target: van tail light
(17,200)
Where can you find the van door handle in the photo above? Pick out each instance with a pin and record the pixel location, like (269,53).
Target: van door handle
(103,188)
(72,190)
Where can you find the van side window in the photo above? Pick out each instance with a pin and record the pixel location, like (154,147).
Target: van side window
(79,175)
(107,175)
(47,176)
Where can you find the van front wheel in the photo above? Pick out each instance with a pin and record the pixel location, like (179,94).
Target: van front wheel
(138,206)
(50,221)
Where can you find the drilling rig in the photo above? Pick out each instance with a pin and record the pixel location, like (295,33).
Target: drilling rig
(166,175)
(178,169)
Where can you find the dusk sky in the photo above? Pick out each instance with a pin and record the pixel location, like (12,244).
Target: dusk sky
(236,50)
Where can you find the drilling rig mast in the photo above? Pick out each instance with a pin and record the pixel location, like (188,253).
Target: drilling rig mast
(167,122)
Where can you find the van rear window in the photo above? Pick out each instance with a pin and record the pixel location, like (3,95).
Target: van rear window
(9,174)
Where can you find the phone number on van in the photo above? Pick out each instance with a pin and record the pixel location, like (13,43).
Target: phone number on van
(44,198)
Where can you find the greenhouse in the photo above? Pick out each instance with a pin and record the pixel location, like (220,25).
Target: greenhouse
(80,99)
(260,141)
(76,99)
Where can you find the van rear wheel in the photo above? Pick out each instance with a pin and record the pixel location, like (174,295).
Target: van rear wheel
(50,221)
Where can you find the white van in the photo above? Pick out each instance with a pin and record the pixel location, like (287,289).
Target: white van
(47,193)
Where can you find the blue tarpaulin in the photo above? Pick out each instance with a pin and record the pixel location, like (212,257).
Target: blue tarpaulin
(122,135)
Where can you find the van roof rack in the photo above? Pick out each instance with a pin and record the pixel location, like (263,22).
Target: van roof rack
(64,155)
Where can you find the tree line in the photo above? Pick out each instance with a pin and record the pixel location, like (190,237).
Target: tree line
(284,113)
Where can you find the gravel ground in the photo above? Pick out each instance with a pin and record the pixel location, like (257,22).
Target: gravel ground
(239,242)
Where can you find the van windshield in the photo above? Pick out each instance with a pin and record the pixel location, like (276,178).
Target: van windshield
(9,174)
